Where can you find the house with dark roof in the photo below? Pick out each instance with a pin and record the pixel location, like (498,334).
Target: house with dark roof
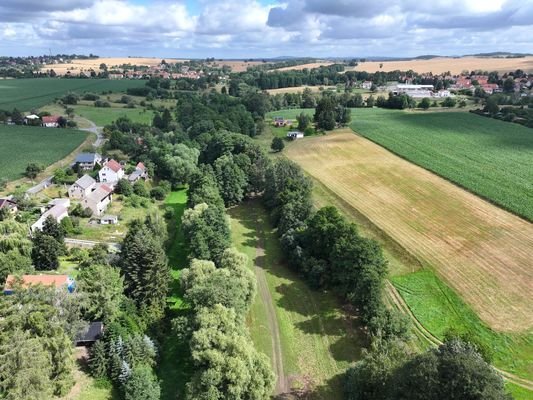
(87,161)
(98,200)
(9,204)
(111,172)
(94,331)
(60,282)
(82,188)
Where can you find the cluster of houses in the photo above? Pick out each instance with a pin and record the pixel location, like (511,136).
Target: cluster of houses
(48,121)
(460,82)
(90,193)
(159,71)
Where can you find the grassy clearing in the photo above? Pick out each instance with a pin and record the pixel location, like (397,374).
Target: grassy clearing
(440,309)
(20,145)
(27,94)
(518,392)
(481,251)
(461,147)
(174,367)
(318,340)
(103,116)
(290,113)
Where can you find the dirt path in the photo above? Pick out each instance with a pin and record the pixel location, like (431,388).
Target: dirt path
(282,383)
(400,303)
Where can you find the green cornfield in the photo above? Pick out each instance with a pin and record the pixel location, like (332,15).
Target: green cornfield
(491,158)
(21,145)
(27,94)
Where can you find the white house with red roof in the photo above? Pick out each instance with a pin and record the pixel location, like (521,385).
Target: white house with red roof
(51,121)
(111,172)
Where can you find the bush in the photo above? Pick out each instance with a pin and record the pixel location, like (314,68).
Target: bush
(158,193)
(139,188)
(124,187)
(90,96)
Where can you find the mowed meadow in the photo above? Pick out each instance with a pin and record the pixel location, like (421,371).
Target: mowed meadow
(491,158)
(480,250)
(27,94)
(22,145)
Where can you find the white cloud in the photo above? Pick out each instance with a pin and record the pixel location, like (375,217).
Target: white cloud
(249,28)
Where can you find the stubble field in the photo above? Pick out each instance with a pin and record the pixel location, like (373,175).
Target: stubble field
(455,66)
(481,251)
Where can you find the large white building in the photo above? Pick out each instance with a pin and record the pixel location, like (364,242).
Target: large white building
(414,90)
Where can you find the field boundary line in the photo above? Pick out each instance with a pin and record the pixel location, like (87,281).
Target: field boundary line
(501,206)
(434,341)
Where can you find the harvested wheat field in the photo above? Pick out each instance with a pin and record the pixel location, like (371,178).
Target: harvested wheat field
(76,66)
(482,251)
(454,65)
(236,65)
(303,66)
(299,89)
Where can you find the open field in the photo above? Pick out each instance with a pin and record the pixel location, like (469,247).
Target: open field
(303,66)
(235,65)
(439,309)
(481,251)
(316,341)
(454,65)
(20,145)
(105,115)
(491,158)
(76,66)
(27,94)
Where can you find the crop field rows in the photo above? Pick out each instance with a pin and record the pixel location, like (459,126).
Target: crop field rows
(491,158)
(21,145)
(27,94)
(483,252)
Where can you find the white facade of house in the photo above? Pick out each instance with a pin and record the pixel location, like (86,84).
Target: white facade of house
(295,135)
(367,85)
(443,93)
(110,173)
(58,212)
(98,200)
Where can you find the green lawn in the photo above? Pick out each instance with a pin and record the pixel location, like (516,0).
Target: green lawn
(439,308)
(106,115)
(174,368)
(27,94)
(318,340)
(488,157)
(518,392)
(20,145)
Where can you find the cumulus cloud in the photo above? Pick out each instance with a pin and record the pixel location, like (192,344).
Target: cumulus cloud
(253,28)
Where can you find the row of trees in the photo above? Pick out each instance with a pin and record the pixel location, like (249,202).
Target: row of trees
(218,284)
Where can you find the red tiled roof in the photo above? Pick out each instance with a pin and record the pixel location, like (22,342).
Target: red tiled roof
(113,165)
(141,166)
(51,119)
(7,203)
(45,280)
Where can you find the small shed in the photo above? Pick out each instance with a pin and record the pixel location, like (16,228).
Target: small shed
(295,135)
(109,220)
(91,335)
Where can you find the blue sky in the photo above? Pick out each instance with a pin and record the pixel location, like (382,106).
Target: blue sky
(264,28)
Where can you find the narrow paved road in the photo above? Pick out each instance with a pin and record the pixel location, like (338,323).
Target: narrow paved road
(97,130)
(282,385)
